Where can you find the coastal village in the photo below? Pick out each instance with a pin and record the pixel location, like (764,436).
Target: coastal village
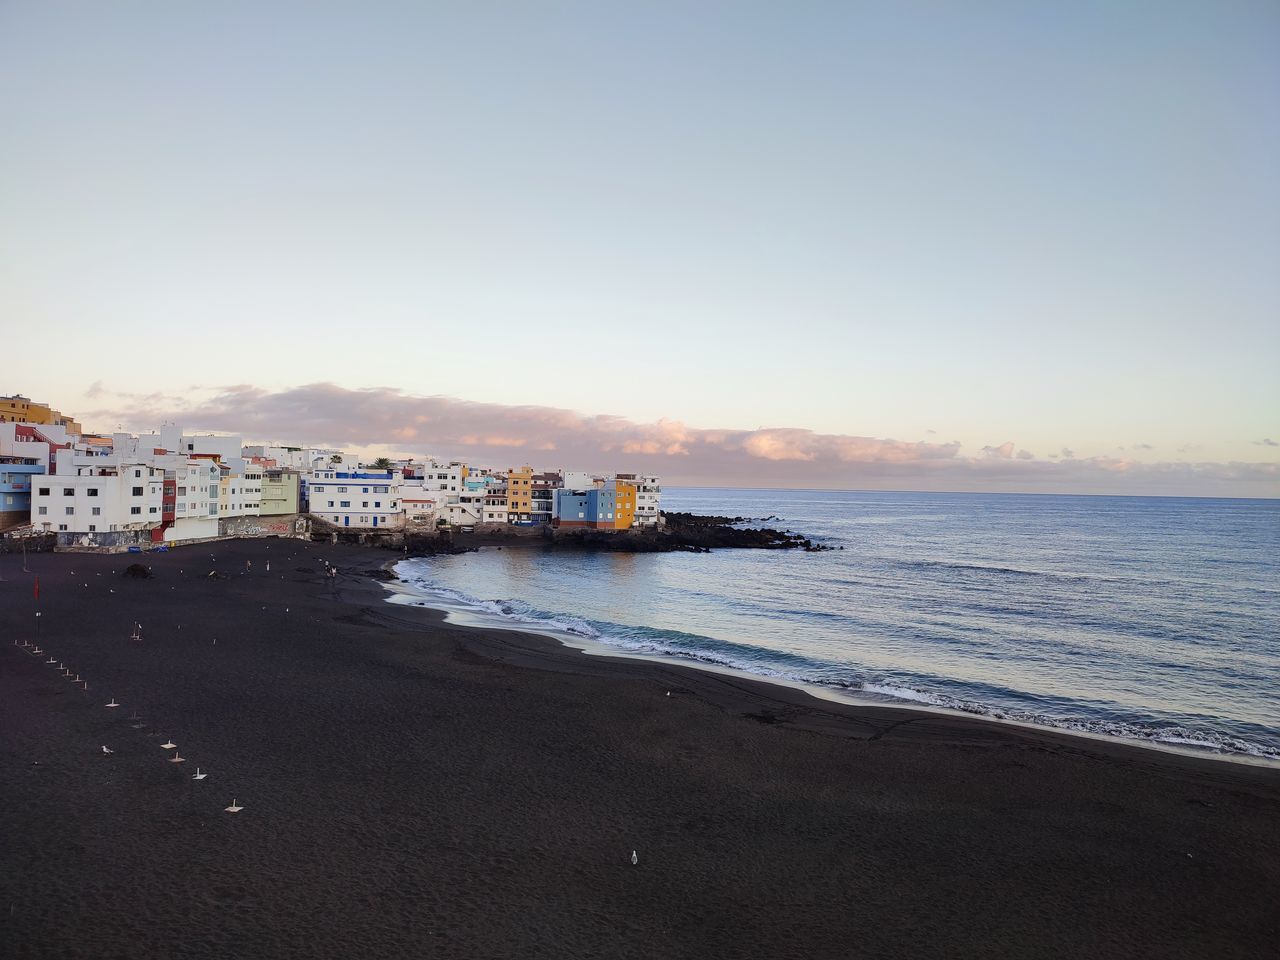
(123,491)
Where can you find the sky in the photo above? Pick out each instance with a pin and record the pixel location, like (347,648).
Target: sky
(982,245)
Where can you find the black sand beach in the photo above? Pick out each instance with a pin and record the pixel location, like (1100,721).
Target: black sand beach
(415,789)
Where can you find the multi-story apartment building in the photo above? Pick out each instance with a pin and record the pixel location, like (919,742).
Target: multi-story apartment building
(362,499)
(16,476)
(496,505)
(542,496)
(608,505)
(123,496)
(280,490)
(20,409)
(520,494)
(648,498)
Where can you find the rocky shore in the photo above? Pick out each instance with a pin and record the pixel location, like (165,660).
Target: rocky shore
(688,532)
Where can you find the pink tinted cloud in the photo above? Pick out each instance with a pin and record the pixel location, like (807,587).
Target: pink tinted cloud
(504,435)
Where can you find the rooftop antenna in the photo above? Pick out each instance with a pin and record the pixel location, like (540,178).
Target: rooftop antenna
(113,703)
(177,759)
(234,808)
(168,745)
(198,775)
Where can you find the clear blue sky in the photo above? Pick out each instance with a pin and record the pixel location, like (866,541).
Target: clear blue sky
(1056,224)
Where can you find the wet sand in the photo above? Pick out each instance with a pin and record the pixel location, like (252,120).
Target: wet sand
(417,789)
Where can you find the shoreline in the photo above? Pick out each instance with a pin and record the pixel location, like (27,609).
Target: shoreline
(590,647)
(412,787)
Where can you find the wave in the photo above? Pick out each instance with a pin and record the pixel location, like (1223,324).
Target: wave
(1007,571)
(780,665)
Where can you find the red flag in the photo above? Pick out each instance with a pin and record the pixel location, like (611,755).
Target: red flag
(37,588)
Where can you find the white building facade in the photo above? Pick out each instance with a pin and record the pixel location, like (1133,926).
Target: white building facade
(101,499)
(359,499)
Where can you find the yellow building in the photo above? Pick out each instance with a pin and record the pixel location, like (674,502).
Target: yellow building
(20,409)
(520,494)
(624,511)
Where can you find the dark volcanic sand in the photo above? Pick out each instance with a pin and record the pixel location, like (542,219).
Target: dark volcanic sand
(413,789)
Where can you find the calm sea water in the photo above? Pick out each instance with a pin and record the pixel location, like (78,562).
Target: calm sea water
(1150,618)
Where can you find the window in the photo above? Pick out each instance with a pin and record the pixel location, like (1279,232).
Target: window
(364,489)
(365,504)
(137,473)
(152,510)
(71,511)
(377,503)
(92,491)
(342,489)
(331,503)
(43,511)
(62,526)
(135,510)
(93,527)
(44,491)
(137,491)
(68,491)
(344,503)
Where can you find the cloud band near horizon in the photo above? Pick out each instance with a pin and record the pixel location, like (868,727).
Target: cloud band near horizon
(387,420)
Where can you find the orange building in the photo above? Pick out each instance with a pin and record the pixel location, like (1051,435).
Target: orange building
(20,409)
(520,494)
(624,510)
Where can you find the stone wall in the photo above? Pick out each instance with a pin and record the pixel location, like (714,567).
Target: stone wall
(110,541)
(14,541)
(284,525)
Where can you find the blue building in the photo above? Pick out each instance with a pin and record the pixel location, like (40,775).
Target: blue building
(15,490)
(592,509)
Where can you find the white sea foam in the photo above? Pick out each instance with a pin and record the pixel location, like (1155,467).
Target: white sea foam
(516,614)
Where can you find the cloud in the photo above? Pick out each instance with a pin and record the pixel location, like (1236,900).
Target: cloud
(1266,442)
(1143,446)
(387,420)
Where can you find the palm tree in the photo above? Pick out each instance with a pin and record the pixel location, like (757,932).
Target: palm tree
(382,463)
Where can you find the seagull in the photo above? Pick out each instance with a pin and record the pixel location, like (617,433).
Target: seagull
(112,703)
(234,808)
(106,749)
(198,775)
(634,859)
(168,745)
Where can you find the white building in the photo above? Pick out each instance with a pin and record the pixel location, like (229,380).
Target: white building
(496,509)
(302,459)
(442,477)
(576,479)
(465,511)
(101,499)
(361,499)
(417,505)
(648,498)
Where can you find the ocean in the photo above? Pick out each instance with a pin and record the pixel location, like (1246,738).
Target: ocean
(1152,619)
